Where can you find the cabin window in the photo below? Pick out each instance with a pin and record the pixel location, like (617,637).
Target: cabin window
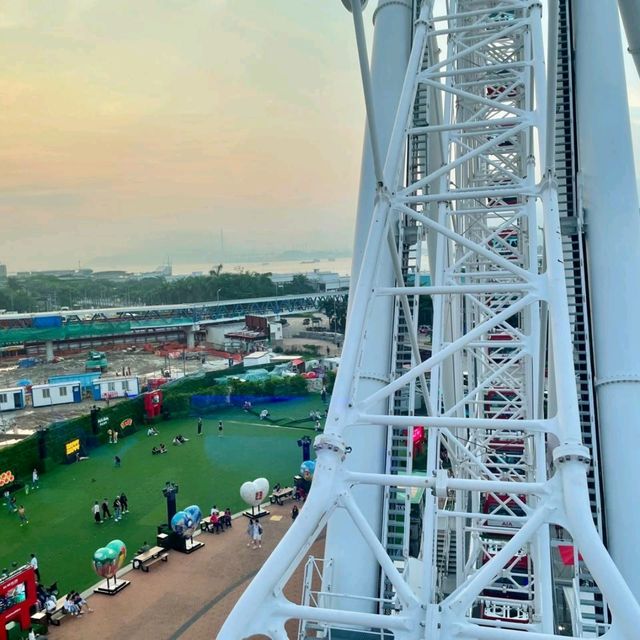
(46,393)
(111,386)
(125,385)
(3,397)
(63,391)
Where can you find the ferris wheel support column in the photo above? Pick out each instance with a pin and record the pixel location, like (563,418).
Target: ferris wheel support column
(390,55)
(610,205)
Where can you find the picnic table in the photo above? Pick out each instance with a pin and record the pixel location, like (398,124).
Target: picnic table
(145,559)
(51,617)
(279,496)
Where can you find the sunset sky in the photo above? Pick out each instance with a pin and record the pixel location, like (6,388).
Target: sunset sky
(134,131)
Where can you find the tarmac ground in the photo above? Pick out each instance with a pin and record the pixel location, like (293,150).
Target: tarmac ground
(189,596)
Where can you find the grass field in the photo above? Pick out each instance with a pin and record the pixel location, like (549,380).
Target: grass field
(208,469)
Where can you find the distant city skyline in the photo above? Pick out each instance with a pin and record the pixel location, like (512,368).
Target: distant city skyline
(136,131)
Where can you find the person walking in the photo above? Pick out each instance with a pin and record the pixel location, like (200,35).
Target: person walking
(105,509)
(96,512)
(115,436)
(250,532)
(34,563)
(220,427)
(199,426)
(22,515)
(117,509)
(254,531)
(124,503)
(35,479)
(116,461)
(110,434)
(294,512)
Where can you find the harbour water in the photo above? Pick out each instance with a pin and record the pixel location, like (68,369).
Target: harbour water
(342,266)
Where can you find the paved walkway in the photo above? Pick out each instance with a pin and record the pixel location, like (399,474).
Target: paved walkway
(189,596)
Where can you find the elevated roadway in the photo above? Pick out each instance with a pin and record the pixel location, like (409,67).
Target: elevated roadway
(26,328)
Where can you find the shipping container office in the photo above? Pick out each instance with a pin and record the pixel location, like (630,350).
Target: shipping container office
(126,387)
(12,398)
(47,395)
(86,379)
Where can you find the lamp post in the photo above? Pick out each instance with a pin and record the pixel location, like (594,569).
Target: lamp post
(218,295)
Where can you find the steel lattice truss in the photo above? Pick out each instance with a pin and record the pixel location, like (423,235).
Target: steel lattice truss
(501,472)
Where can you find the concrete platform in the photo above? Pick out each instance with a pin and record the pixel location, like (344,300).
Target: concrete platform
(189,597)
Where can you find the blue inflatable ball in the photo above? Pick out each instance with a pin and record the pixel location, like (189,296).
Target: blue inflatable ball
(195,514)
(307,469)
(182,524)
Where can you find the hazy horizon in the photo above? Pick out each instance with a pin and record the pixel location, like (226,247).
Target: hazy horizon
(133,132)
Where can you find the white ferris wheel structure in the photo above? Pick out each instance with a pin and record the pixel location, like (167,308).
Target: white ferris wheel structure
(499,189)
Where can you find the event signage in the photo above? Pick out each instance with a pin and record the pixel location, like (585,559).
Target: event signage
(72,446)
(127,422)
(103,421)
(6,477)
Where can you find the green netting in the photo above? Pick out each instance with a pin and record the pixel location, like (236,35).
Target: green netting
(68,331)
(84,330)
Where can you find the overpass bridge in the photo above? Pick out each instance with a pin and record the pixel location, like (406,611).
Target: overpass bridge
(54,326)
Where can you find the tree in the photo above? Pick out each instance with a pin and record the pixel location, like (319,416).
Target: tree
(336,310)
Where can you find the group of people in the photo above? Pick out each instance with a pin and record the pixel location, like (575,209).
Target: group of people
(200,425)
(220,520)
(75,604)
(155,451)
(102,513)
(113,436)
(254,531)
(180,439)
(11,502)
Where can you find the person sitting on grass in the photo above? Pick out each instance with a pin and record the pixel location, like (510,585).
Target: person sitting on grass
(152,431)
(163,449)
(181,439)
(155,451)
(144,548)
(264,414)
(246,406)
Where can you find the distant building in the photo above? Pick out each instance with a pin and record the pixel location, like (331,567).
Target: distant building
(323,280)
(3,274)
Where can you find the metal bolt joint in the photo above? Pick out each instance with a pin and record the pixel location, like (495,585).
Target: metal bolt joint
(571,453)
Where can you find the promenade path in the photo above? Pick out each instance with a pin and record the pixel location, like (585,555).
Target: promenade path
(189,596)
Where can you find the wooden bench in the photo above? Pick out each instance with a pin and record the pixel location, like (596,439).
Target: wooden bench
(279,496)
(51,617)
(144,560)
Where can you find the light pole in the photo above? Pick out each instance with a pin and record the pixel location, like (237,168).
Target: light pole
(218,295)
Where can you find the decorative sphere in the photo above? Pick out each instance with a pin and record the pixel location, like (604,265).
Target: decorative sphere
(121,550)
(307,469)
(183,524)
(105,562)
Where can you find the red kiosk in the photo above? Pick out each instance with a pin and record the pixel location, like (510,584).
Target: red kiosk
(17,597)
(153,403)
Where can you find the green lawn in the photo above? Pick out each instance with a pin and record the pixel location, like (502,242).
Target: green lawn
(209,470)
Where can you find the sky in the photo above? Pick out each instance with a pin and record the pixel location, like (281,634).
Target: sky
(131,132)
